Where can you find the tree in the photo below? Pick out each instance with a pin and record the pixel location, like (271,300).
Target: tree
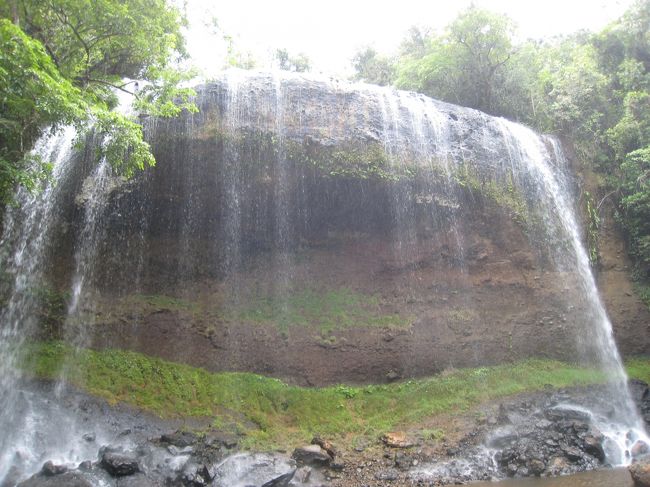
(62,61)
(370,67)
(635,207)
(33,94)
(466,65)
(298,64)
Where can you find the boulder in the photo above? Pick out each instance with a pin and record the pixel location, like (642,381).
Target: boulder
(325,445)
(49,469)
(536,466)
(594,446)
(312,455)
(640,474)
(281,481)
(180,439)
(68,479)
(639,449)
(397,439)
(119,464)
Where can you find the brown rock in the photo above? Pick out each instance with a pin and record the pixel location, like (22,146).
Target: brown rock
(397,439)
(639,448)
(325,445)
(640,474)
(311,455)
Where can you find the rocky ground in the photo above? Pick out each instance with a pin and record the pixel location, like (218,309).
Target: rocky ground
(541,434)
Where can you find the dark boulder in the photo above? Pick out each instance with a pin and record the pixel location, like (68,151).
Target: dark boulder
(311,455)
(281,481)
(119,464)
(180,439)
(68,479)
(50,469)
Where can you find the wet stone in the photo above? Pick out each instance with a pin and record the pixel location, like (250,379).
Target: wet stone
(49,469)
(68,479)
(311,455)
(281,481)
(119,464)
(179,439)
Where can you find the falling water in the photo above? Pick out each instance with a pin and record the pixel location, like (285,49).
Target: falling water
(235,197)
(29,229)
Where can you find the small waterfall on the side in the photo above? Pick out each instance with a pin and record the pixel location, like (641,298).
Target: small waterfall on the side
(534,155)
(32,428)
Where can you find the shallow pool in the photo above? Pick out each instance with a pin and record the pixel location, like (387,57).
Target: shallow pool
(619,477)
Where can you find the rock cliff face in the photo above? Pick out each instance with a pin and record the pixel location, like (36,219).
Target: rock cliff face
(323,232)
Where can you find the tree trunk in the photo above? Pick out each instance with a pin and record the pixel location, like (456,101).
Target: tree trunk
(14,12)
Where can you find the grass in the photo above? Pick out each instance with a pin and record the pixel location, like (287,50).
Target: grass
(326,311)
(323,310)
(284,415)
(159,301)
(639,368)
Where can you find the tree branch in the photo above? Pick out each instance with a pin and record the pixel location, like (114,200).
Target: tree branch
(112,85)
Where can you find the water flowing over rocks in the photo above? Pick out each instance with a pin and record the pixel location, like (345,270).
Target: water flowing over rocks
(320,232)
(540,434)
(287,197)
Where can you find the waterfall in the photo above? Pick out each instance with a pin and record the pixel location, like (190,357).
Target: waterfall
(30,228)
(285,187)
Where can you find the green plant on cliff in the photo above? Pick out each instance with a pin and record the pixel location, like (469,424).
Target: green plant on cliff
(324,310)
(284,415)
(593,225)
(62,61)
(503,193)
(359,161)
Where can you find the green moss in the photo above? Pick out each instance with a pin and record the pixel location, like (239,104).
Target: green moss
(358,161)
(593,226)
(638,368)
(643,291)
(325,310)
(154,302)
(284,415)
(503,193)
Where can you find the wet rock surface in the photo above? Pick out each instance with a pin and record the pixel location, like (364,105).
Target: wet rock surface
(339,225)
(640,474)
(548,433)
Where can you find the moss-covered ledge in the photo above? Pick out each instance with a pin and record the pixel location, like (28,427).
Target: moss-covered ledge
(284,415)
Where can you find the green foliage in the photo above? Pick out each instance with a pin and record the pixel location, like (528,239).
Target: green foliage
(62,61)
(503,193)
(283,414)
(123,145)
(574,92)
(632,132)
(593,225)
(635,206)
(466,64)
(638,368)
(373,68)
(361,161)
(286,62)
(33,94)
(97,43)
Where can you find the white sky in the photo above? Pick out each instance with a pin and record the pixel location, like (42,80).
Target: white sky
(331,32)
